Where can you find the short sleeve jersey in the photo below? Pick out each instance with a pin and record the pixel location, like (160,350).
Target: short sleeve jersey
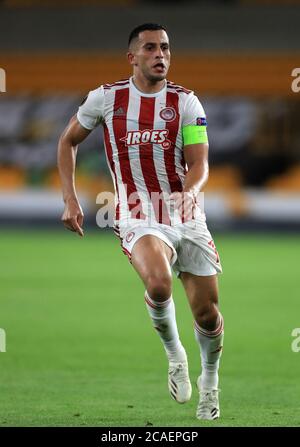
(143,142)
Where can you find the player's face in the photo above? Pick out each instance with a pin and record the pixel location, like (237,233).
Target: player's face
(151,55)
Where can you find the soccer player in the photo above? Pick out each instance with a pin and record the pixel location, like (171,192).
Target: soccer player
(157,151)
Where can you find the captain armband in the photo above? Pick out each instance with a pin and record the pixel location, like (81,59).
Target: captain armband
(194,135)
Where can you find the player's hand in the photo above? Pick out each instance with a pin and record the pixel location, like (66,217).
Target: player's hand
(185,203)
(73,217)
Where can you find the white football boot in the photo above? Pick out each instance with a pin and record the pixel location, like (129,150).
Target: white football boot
(208,406)
(179,382)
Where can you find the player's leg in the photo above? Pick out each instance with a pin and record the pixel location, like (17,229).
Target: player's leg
(202,293)
(151,258)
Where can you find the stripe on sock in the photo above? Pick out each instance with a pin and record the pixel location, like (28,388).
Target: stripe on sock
(156,304)
(211,334)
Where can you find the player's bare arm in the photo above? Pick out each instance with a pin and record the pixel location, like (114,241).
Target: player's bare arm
(73,134)
(196,157)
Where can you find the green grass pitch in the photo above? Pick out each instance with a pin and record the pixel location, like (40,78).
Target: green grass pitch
(81,351)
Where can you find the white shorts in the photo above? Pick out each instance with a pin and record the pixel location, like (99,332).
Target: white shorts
(193,248)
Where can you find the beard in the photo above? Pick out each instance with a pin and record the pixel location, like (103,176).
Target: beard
(155,77)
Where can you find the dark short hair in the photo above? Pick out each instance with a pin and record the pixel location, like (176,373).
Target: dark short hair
(145,27)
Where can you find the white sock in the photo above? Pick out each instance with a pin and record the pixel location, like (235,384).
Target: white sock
(163,317)
(211,344)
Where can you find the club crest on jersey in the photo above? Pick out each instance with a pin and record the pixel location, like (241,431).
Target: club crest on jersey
(147,136)
(168,114)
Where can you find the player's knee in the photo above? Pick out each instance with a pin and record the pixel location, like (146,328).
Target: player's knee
(159,287)
(207,317)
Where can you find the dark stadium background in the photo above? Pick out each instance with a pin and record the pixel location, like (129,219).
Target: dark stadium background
(55,288)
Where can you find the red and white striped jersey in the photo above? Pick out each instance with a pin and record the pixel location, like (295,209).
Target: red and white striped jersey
(143,143)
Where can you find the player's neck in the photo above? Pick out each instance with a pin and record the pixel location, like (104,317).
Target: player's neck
(146,86)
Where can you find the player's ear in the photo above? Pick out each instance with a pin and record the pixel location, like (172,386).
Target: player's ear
(131,58)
